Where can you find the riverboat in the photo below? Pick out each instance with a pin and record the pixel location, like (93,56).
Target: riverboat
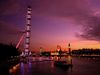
(64,62)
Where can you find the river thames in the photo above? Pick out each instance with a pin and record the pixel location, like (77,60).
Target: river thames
(81,66)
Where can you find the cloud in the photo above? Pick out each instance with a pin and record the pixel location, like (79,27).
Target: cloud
(91,29)
(8,28)
(79,11)
(8,33)
(60,8)
(9,7)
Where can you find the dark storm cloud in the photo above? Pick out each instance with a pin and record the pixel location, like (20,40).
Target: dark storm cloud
(91,28)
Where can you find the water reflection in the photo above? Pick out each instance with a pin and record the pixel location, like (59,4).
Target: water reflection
(41,67)
(81,66)
(22,68)
(13,69)
(25,68)
(52,64)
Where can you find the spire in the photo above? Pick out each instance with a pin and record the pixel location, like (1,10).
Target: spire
(29,6)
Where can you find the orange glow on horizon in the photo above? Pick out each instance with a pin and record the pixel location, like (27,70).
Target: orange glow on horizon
(74,45)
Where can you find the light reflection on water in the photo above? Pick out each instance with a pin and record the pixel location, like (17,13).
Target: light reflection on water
(81,66)
(14,69)
(22,69)
(25,69)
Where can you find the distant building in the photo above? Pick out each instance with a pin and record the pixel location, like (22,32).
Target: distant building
(69,49)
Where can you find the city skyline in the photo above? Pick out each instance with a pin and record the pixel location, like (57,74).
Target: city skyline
(54,22)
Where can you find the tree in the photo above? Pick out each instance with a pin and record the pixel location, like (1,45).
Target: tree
(6,51)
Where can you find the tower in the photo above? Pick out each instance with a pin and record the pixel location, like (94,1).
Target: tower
(69,49)
(28,30)
(59,49)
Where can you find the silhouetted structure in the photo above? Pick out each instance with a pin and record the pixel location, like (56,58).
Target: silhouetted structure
(28,27)
(26,51)
(69,49)
(6,51)
(86,51)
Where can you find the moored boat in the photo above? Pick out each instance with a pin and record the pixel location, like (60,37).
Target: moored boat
(63,63)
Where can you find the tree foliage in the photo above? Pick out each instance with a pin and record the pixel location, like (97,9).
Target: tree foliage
(6,51)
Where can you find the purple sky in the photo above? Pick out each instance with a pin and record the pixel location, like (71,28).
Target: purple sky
(54,22)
